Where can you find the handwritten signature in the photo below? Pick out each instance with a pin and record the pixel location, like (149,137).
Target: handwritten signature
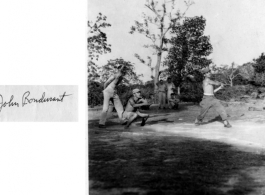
(26,99)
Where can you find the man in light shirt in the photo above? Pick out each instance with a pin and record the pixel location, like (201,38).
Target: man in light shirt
(111,96)
(161,94)
(209,100)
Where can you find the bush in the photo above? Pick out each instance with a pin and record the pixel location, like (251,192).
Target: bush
(191,92)
(125,92)
(235,92)
(95,95)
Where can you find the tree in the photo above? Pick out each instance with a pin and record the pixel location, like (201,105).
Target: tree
(226,74)
(247,71)
(189,50)
(163,21)
(111,67)
(96,44)
(259,67)
(129,81)
(149,63)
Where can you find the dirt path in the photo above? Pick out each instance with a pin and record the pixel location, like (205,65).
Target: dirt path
(172,156)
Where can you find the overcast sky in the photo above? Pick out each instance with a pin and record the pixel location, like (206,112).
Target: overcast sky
(236,29)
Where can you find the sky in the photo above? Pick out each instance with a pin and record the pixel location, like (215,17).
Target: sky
(236,29)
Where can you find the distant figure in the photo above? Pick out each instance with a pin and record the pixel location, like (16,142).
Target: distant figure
(173,101)
(135,103)
(170,88)
(161,94)
(209,100)
(111,96)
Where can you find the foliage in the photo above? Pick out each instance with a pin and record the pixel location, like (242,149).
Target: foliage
(259,67)
(235,92)
(191,92)
(92,70)
(124,92)
(247,71)
(96,44)
(95,98)
(190,49)
(149,63)
(226,74)
(162,20)
(111,67)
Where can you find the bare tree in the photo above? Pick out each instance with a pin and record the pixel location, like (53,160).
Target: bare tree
(161,21)
(226,74)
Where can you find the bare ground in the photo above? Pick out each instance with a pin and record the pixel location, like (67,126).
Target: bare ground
(171,156)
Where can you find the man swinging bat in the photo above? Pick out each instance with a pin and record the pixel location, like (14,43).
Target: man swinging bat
(209,100)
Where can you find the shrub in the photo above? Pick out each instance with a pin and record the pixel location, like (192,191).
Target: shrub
(95,95)
(235,92)
(191,92)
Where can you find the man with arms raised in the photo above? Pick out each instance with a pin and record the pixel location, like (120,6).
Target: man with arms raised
(110,95)
(209,100)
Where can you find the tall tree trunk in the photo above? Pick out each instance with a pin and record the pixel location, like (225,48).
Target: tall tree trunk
(157,67)
(158,62)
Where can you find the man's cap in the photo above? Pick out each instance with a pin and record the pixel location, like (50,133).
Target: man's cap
(136,90)
(205,70)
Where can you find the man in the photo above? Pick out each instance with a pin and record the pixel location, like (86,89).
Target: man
(209,101)
(134,104)
(173,101)
(161,94)
(170,87)
(110,95)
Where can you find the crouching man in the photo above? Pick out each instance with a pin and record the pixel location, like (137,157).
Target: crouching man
(134,104)
(173,101)
(209,100)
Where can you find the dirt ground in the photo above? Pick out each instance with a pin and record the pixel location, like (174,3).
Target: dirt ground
(169,155)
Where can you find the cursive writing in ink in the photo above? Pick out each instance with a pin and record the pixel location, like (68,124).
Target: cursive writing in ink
(27,100)
(9,104)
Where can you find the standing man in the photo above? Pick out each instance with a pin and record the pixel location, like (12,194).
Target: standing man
(134,104)
(110,95)
(170,86)
(209,99)
(161,94)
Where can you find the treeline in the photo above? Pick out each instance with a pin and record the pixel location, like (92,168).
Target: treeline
(187,51)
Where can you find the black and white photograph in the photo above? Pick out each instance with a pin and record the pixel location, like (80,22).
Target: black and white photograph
(176,97)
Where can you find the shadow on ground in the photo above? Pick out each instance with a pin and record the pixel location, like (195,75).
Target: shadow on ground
(160,164)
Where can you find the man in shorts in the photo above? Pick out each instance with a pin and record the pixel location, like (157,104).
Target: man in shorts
(209,100)
(134,104)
